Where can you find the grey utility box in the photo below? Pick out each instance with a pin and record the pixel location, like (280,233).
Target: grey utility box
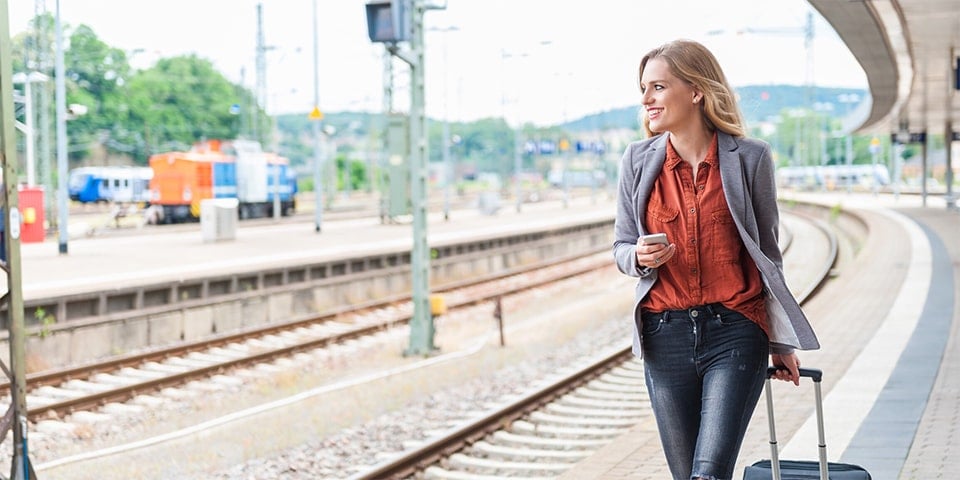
(218,219)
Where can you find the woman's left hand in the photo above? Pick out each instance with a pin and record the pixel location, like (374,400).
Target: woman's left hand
(788,367)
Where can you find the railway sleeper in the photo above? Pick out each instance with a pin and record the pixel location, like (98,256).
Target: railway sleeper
(561,409)
(493,451)
(604,385)
(543,418)
(136,375)
(48,394)
(530,428)
(586,402)
(114,379)
(592,392)
(618,379)
(438,473)
(504,437)
(629,373)
(85,386)
(467,462)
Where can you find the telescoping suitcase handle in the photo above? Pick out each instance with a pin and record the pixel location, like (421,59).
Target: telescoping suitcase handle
(813,373)
(816,375)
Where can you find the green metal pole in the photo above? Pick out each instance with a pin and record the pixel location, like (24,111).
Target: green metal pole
(421,325)
(317,133)
(19,467)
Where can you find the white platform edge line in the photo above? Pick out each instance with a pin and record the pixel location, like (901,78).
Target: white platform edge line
(852,398)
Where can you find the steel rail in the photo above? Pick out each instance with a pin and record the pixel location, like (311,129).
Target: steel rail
(123,393)
(57,376)
(434,451)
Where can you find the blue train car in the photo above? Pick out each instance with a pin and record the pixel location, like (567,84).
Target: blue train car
(119,184)
(84,184)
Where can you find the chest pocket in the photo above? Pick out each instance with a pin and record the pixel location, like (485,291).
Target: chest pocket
(662,218)
(725,240)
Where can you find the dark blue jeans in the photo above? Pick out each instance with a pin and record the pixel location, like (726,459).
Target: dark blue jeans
(704,368)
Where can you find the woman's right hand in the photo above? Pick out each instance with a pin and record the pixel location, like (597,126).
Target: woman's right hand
(788,367)
(655,255)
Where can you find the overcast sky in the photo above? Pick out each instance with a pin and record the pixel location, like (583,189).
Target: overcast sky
(564,58)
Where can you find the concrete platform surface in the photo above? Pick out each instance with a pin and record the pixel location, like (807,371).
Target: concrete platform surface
(889,327)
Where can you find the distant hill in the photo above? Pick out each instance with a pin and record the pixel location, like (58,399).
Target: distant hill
(356,122)
(760,102)
(484,141)
(757,102)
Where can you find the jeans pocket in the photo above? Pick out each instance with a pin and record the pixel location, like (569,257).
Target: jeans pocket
(651,325)
(731,318)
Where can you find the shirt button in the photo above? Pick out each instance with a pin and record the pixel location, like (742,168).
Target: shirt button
(700,187)
(693,270)
(694,314)
(693,210)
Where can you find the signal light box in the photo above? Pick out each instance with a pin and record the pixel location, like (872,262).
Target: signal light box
(388,21)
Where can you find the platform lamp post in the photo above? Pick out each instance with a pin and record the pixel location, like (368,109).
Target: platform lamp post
(316,117)
(517,132)
(391,22)
(447,173)
(518,139)
(823,110)
(874,154)
(848,100)
(27,79)
(63,216)
(518,165)
(901,138)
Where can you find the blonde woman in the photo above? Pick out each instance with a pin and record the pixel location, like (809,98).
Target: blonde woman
(712,303)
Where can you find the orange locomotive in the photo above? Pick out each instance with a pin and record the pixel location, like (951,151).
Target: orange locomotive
(237,169)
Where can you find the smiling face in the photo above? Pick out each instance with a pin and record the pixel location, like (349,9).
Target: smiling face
(671,104)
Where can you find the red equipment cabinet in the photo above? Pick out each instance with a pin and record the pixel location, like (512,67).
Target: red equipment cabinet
(31,211)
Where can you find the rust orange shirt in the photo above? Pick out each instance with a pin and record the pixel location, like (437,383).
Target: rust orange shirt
(711,264)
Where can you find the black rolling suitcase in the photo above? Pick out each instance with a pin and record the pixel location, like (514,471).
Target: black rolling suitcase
(777,469)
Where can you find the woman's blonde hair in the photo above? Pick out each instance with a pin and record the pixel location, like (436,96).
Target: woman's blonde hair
(693,63)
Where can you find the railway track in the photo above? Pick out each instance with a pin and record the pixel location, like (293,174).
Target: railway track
(203,357)
(100,220)
(54,394)
(547,431)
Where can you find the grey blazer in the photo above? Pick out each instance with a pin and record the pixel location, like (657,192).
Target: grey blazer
(746,172)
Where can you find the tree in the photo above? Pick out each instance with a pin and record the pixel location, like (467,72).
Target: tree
(172,105)
(179,101)
(96,75)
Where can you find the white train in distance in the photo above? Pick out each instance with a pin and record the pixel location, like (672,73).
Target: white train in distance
(833,176)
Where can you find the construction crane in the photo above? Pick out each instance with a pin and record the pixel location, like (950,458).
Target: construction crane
(807,31)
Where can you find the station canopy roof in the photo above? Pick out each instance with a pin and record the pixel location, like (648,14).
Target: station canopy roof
(908,50)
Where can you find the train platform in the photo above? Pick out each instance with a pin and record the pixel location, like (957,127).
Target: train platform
(157,255)
(889,328)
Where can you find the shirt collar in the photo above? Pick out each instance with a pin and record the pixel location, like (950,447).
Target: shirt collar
(673,158)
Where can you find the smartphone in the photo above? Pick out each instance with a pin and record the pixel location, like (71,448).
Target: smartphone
(654,238)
